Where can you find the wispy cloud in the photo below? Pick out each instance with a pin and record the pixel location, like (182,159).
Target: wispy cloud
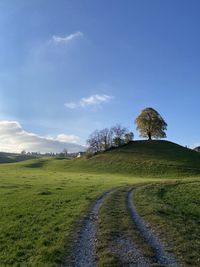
(89,101)
(65,39)
(13,138)
(66,138)
(72,105)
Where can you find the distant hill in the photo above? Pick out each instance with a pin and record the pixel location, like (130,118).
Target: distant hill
(141,158)
(14,157)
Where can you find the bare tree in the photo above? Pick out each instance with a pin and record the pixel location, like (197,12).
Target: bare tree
(94,142)
(105,138)
(101,140)
(119,134)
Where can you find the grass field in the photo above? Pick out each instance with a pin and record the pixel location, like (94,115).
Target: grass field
(39,209)
(173,211)
(42,199)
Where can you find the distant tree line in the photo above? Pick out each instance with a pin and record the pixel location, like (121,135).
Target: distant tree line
(101,140)
(63,154)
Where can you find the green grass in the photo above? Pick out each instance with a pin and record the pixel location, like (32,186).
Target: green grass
(39,210)
(173,211)
(41,200)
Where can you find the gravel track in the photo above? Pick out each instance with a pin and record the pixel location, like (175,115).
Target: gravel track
(83,254)
(129,254)
(163,257)
(123,246)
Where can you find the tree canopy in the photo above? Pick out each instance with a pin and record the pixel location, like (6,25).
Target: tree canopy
(150,124)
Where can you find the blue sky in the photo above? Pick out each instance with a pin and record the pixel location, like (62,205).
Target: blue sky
(70,67)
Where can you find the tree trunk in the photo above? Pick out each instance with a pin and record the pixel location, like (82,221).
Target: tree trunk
(149,135)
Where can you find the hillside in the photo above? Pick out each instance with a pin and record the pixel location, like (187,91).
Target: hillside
(14,157)
(149,158)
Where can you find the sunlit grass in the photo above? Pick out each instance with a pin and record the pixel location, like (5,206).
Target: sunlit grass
(39,209)
(173,211)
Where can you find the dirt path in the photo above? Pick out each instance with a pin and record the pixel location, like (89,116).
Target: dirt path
(129,253)
(162,256)
(83,253)
(117,245)
(84,248)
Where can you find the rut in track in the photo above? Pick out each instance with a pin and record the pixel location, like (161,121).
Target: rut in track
(119,243)
(84,252)
(163,257)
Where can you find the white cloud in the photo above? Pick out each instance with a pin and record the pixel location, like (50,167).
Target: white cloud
(66,39)
(72,105)
(89,101)
(70,138)
(94,100)
(13,138)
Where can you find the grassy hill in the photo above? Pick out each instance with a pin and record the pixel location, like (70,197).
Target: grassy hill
(141,158)
(14,157)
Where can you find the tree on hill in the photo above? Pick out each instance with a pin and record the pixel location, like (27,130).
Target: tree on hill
(128,137)
(101,140)
(150,124)
(118,133)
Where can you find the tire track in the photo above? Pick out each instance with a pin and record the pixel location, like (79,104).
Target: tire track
(163,257)
(117,244)
(84,252)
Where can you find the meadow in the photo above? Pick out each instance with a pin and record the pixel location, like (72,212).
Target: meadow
(42,200)
(39,209)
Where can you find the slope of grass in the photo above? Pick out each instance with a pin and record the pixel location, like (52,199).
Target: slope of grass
(173,210)
(141,158)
